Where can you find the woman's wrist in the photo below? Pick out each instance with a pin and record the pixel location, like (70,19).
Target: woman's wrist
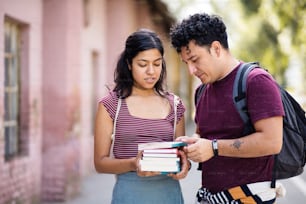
(189,165)
(133,164)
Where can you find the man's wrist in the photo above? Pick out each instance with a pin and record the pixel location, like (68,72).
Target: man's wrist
(214,144)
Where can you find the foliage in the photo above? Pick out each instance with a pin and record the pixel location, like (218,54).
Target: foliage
(270,31)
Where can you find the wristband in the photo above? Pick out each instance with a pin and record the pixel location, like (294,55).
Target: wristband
(215,147)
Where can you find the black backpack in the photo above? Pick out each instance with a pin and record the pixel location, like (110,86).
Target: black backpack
(291,160)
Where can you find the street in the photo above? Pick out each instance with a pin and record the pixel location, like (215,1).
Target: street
(97,188)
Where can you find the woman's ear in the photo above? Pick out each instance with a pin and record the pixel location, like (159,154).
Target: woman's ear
(130,67)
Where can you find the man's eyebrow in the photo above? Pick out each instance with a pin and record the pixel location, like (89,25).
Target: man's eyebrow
(190,58)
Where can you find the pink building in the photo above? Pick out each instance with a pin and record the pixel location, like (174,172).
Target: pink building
(58,56)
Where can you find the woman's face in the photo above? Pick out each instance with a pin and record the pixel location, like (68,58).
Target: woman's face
(146,68)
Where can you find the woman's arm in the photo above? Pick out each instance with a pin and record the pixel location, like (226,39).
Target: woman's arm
(180,128)
(102,145)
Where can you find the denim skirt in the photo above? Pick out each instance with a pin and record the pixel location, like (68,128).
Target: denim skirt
(132,189)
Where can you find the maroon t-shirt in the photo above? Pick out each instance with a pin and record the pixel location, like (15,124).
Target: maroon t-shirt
(217,118)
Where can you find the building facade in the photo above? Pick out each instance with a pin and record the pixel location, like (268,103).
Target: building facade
(58,57)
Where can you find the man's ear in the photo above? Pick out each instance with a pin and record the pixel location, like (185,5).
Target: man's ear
(215,48)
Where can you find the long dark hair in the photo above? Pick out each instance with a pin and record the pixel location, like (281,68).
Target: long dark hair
(138,41)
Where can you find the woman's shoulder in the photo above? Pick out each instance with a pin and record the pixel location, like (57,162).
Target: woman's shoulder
(172,96)
(175,100)
(110,97)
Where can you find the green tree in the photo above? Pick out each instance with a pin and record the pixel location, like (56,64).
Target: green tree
(270,31)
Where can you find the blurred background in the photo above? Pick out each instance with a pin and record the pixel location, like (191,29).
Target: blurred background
(58,60)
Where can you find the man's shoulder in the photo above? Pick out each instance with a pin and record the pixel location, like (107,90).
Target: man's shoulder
(259,72)
(260,76)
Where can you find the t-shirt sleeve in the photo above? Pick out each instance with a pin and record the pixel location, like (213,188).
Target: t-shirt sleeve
(263,96)
(110,102)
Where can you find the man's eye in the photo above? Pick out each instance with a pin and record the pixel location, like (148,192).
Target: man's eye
(194,60)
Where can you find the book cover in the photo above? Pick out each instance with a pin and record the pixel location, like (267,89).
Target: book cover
(162,159)
(160,168)
(159,155)
(165,151)
(160,145)
(159,162)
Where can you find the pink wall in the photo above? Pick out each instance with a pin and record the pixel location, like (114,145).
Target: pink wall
(61,98)
(121,22)
(93,78)
(65,65)
(20,180)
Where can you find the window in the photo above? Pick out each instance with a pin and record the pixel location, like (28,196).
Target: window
(14,136)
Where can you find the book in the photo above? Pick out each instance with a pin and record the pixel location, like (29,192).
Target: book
(164,168)
(162,162)
(161,145)
(163,151)
(159,155)
(161,159)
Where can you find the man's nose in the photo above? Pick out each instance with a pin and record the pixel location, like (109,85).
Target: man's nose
(191,68)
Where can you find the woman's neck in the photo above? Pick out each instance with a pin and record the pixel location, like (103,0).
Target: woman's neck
(143,92)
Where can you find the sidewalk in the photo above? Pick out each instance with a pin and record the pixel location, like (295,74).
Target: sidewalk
(97,188)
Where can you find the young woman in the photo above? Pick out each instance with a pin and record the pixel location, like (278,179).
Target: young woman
(146,115)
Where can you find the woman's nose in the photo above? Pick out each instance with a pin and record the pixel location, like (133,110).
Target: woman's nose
(150,69)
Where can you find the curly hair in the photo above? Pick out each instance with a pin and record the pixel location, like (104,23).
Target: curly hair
(141,40)
(202,28)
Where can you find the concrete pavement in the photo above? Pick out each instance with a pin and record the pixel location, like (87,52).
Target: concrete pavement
(97,188)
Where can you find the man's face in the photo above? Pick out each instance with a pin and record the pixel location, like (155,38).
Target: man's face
(200,61)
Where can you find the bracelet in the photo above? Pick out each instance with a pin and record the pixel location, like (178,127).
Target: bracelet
(215,147)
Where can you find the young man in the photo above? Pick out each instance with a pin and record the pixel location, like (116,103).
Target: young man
(236,168)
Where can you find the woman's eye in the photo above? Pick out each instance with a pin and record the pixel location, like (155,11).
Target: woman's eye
(142,65)
(157,65)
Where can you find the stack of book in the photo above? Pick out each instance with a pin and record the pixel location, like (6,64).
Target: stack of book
(160,156)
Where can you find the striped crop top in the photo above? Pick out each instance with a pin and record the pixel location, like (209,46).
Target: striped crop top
(131,130)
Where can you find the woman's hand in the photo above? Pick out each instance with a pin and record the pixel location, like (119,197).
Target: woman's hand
(138,168)
(185,166)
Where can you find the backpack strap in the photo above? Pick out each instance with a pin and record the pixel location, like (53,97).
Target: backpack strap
(240,101)
(239,94)
(198,93)
(114,126)
(175,104)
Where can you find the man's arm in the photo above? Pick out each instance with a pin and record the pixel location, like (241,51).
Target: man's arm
(267,140)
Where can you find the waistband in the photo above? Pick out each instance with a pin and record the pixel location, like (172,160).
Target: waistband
(132,176)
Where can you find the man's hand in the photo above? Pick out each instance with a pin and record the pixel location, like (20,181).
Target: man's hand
(198,149)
